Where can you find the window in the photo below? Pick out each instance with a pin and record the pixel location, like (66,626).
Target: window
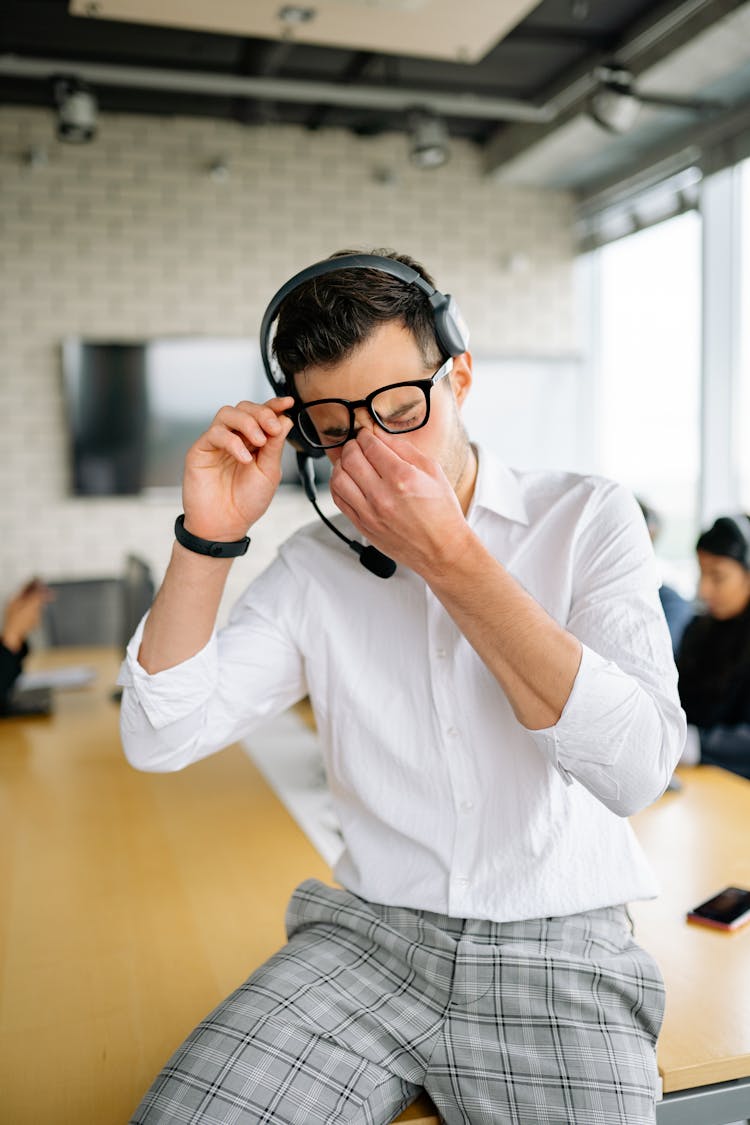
(648,378)
(742,415)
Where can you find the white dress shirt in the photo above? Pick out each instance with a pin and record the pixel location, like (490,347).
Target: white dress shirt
(446,802)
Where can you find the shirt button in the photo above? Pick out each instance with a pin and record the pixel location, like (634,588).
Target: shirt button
(452,732)
(467,806)
(462,879)
(440,653)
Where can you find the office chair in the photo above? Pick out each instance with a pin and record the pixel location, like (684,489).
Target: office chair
(98,611)
(85,611)
(137,595)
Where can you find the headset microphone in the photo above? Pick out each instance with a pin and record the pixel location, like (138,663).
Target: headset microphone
(370,557)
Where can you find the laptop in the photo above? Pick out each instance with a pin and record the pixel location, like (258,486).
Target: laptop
(29,702)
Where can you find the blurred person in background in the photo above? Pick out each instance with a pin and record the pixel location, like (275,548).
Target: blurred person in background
(714,657)
(677,610)
(22,615)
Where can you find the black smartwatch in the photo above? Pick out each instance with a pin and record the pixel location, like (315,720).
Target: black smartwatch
(213,548)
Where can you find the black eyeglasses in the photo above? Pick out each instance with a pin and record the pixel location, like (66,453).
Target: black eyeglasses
(398,408)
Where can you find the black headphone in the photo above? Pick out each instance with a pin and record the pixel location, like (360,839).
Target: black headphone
(450,328)
(450,331)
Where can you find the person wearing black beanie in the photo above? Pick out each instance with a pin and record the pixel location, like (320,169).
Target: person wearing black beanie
(714,657)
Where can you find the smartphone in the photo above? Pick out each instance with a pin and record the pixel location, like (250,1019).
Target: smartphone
(728,910)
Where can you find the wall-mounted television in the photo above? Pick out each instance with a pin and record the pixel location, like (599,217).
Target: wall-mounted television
(134,407)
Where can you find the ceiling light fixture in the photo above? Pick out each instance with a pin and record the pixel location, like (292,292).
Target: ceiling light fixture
(615,103)
(296,14)
(429,140)
(76,110)
(219,170)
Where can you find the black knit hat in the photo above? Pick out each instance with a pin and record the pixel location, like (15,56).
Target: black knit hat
(729,536)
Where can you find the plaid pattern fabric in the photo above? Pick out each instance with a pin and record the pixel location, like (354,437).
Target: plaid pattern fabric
(551,1021)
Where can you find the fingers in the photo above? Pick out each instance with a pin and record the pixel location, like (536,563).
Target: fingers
(346,492)
(254,422)
(388,452)
(36,591)
(243,430)
(380,461)
(366,479)
(343,505)
(357,465)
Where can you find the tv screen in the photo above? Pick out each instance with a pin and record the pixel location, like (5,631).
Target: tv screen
(134,408)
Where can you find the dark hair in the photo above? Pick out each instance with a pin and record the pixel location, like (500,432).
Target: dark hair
(323,320)
(725,538)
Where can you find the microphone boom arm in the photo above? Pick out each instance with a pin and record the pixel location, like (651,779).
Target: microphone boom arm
(371,558)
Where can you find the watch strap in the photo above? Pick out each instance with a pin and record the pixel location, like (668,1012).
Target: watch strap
(213,548)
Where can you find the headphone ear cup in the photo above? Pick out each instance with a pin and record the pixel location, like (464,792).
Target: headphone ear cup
(450,326)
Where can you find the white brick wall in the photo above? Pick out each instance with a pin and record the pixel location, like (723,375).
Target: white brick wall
(130,237)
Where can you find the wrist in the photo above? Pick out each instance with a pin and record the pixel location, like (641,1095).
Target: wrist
(12,641)
(219,547)
(450,555)
(208,529)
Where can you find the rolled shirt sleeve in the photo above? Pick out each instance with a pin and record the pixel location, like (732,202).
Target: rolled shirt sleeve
(246,674)
(613,737)
(622,729)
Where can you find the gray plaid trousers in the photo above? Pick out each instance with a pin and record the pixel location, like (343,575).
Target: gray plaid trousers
(552,1021)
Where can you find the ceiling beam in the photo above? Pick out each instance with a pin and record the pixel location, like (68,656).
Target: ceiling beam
(355,69)
(454,104)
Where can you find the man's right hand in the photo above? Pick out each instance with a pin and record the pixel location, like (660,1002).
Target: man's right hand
(233,470)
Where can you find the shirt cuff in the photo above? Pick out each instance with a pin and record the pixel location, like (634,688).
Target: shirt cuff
(176,692)
(691,754)
(578,735)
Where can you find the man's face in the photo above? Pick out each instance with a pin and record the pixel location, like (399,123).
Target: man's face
(390,354)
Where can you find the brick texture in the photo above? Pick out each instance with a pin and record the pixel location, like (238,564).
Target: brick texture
(130,237)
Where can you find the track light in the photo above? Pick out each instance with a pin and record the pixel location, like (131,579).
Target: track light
(429,140)
(76,110)
(616,102)
(614,105)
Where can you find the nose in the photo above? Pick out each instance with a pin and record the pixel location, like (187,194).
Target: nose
(363,420)
(705,589)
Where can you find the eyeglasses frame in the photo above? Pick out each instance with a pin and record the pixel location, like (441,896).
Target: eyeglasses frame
(425,385)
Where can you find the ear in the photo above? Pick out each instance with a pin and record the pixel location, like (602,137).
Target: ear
(461,376)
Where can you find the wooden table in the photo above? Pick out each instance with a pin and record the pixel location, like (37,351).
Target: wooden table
(698,840)
(130,904)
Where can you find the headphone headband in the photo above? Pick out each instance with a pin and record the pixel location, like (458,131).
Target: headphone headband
(450,329)
(346,262)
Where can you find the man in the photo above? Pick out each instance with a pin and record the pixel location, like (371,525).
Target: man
(489,715)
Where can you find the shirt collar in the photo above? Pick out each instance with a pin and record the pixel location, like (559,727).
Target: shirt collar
(497,488)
